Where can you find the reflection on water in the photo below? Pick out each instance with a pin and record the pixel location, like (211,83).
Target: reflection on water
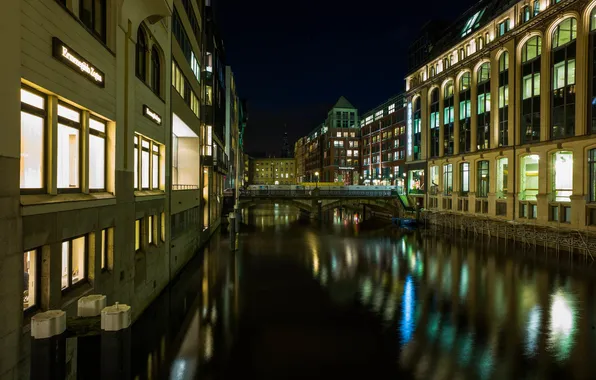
(457,310)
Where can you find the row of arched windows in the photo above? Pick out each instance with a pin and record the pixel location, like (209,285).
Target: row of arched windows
(148,66)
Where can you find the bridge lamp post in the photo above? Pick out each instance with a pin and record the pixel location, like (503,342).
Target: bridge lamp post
(390,179)
(317,179)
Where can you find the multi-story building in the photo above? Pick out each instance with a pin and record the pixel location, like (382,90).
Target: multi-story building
(232,137)
(331,149)
(500,114)
(247,171)
(110,142)
(273,171)
(299,157)
(383,142)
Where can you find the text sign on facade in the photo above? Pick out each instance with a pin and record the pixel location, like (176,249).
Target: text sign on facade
(346,168)
(409,137)
(151,115)
(72,59)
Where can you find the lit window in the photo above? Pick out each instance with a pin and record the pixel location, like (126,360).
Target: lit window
(155,166)
(136,162)
(464,177)
(448,179)
(33,114)
(209,95)
(150,229)
(529,177)
(531,85)
(484,72)
(177,79)
(484,103)
(472,23)
(74,269)
(565,32)
(195,66)
(562,176)
(30,273)
(391,108)
(145,164)
(503,27)
(68,152)
(531,49)
(97,154)
(483,179)
(502,175)
(137,234)
(338,134)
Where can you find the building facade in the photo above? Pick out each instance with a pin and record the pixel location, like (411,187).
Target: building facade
(273,171)
(497,123)
(232,137)
(115,189)
(383,141)
(299,157)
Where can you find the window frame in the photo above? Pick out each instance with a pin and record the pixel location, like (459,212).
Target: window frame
(464,167)
(141,51)
(480,169)
(103,135)
(85,278)
(43,114)
(79,126)
(156,77)
(592,175)
(103,35)
(37,278)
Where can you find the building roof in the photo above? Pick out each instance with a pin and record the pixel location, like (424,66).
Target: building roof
(342,102)
(398,100)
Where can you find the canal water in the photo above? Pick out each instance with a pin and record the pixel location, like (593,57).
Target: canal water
(351,298)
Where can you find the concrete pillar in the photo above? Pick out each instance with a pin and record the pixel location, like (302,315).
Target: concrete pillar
(89,347)
(116,342)
(48,345)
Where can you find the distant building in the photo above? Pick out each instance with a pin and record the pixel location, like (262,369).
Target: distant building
(299,157)
(247,171)
(272,171)
(285,148)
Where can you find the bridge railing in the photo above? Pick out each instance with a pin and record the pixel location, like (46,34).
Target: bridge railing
(318,193)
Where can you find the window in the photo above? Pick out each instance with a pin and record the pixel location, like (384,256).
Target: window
(465,112)
(563,81)
(504,99)
(195,66)
(74,262)
(562,176)
(97,154)
(31,272)
(93,15)
(178,79)
(106,248)
(33,116)
(151,225)
(448,131)
(155,166)
(484,72)
(434,123)
(163,227)
(69,148)
(591,80)
(434,180)
(448,179)
(483,179)
(141,54)
(155,71)
(502,177)
(464,184)
(503,27)
(147,166)
(525,14)
(529,177)
(391,109)
(136,162)
(530,107)
(531,49)
(137,235)
(592,174)
(145,163)
(480,43)
(472,23)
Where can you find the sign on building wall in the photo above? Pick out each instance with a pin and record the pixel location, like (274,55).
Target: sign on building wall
(72,59)
(409,129)
(151,115)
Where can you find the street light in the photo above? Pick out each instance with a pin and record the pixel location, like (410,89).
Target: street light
(317,178)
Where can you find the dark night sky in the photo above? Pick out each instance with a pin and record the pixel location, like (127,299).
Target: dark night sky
(292,60)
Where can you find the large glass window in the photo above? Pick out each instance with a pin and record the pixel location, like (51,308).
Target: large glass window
(563,81)
(502,175)
(97,154)
(155,166)
(33,116)
(448,122)
(136,162)
(529,177)
(482,179)
(145,164)
(464,178)
(592,174)
(434,123)
(504,99)
(592,74)
(93,14)
(30,280)
(69,148)
(465,113)
(530,104)
(434,180)
(155,71)
(483,123)
(447,179)
(417,131)
(141,54)
(416,182)
(74,265)
(562,178)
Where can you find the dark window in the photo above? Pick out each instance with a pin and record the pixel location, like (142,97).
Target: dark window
(503,99)
(434,123)
(141,54)
(93,14)
(592,173)
(530,94)
(448,122)
(563,80)
(483,178)
(155,71)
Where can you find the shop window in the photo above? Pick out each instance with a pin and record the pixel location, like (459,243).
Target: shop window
(447,179)
(529,177)
(74,262)
(592,174)
(97,154)
(416,182)
(155,71)
(562,176)
(530,107)
(483,179)
(502,177)
(93,15)
(69,149)
(464,178)
(141,54)
(138,235)
(31,271)
(33,132)
(563,81)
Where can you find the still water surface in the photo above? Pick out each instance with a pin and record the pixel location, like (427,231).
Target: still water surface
(301,299)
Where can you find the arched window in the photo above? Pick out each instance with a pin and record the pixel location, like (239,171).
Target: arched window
(563,81)
(465,112)
(434,122)
(445,63)
(155,71)
(592,66)
(504,99)
(432,71)
(448,122)
(141,54)
(530,102)
(483,124)
(462,54)
(480,43)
